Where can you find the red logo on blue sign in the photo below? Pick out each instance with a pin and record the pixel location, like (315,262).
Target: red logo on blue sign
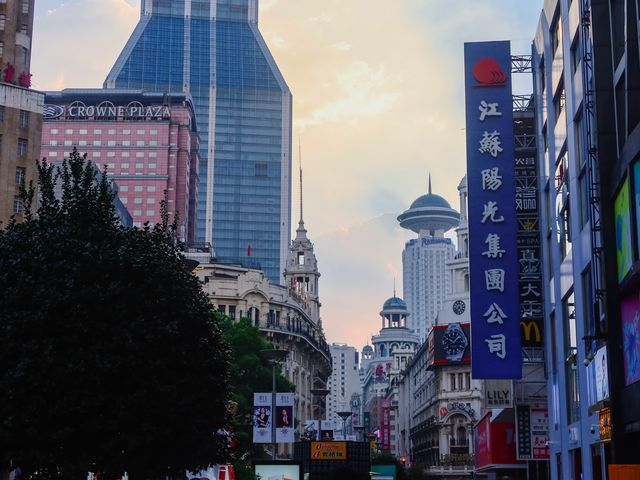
(488,73)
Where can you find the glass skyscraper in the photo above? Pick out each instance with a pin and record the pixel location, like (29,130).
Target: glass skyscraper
(213,50)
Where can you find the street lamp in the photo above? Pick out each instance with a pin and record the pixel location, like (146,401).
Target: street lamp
(274,357)
(344,415)
(321,393)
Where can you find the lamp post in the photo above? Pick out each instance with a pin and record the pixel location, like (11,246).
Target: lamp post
(320,393)
(344,415)
(274,357)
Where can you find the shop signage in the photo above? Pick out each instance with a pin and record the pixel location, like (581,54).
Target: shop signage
(498,394)
(328,450)
(604,424)
(494,263)
(77,110)
(532,435)
(457,406)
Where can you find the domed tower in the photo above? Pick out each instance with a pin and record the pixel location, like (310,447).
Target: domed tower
(301,272)
(395,341)
(425,282)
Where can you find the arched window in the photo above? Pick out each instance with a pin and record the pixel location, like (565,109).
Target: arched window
(383,351)
(254,316)
(461,436)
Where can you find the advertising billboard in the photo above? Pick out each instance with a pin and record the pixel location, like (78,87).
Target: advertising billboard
(630,317)
(532,433)
(493,254)
(262,417)
(285,422)
(495,442)
(623,231)
(280,470)
(449,344)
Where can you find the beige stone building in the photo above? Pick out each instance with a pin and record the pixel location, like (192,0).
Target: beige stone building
(20,107)
(288,316)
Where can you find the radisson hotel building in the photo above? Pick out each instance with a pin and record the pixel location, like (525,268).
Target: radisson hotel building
(146,142)
(213,51)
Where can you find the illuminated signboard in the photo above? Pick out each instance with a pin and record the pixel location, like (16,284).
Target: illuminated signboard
(105,111)
(328,450)
(493,256)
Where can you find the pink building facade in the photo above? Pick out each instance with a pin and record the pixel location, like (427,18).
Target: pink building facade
(147,142)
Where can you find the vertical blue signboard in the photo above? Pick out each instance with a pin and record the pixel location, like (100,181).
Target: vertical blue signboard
(493,261)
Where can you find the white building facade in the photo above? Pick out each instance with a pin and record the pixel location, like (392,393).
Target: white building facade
(344,382)
(425,282)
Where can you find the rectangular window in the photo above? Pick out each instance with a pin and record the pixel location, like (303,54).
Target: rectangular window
(22,146)
(260,169)
(153,154)
(137,213)
(111,143)
(126,143)
(124,166)
(150,213)
(24,28)
(24,119)
(81,143)
(17,205)
(97,131)
(153,131)
(54,130)
(68,143)
(153,143)
(151,188)
(20,175)
(82,131)
(125,154)
(151,200)
(68,131)
(124,188)
(1,113)
(111,131)
(140,143)
(138,188)
(3,21)
(126,131)
(452,378)
(137,201)
(140,132)
(1,48)
(53,154)
(139,165)
(97,143)
(139,154)
(25,6)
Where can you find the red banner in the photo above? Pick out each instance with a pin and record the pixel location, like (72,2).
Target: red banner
(386,425)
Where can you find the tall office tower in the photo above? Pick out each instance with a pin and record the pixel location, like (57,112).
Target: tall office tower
(343,382)
(20,107)
(213,50)
(425,282)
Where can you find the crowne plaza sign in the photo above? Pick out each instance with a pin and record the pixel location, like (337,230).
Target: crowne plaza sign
(106,111)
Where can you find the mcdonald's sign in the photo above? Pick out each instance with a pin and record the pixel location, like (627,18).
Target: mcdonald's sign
(531,332)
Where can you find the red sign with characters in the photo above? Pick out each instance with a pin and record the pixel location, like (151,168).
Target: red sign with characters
(495,442)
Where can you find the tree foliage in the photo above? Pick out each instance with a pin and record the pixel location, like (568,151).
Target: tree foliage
(249,374)
(111,357)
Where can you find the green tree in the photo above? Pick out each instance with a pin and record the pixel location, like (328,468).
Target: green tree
(249,374)
(111,357)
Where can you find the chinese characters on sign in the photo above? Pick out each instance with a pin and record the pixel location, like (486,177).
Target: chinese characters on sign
(495,305)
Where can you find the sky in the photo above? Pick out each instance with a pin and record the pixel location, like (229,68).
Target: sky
(378,105)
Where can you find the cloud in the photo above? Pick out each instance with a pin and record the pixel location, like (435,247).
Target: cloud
(77,42)
(378,104)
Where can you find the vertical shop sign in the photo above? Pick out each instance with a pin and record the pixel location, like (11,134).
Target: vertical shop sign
(495,306)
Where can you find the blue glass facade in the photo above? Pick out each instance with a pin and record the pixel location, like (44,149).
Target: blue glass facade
(213,50)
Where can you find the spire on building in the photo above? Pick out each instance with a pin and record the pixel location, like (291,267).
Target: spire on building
(301,232)
(429,183)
